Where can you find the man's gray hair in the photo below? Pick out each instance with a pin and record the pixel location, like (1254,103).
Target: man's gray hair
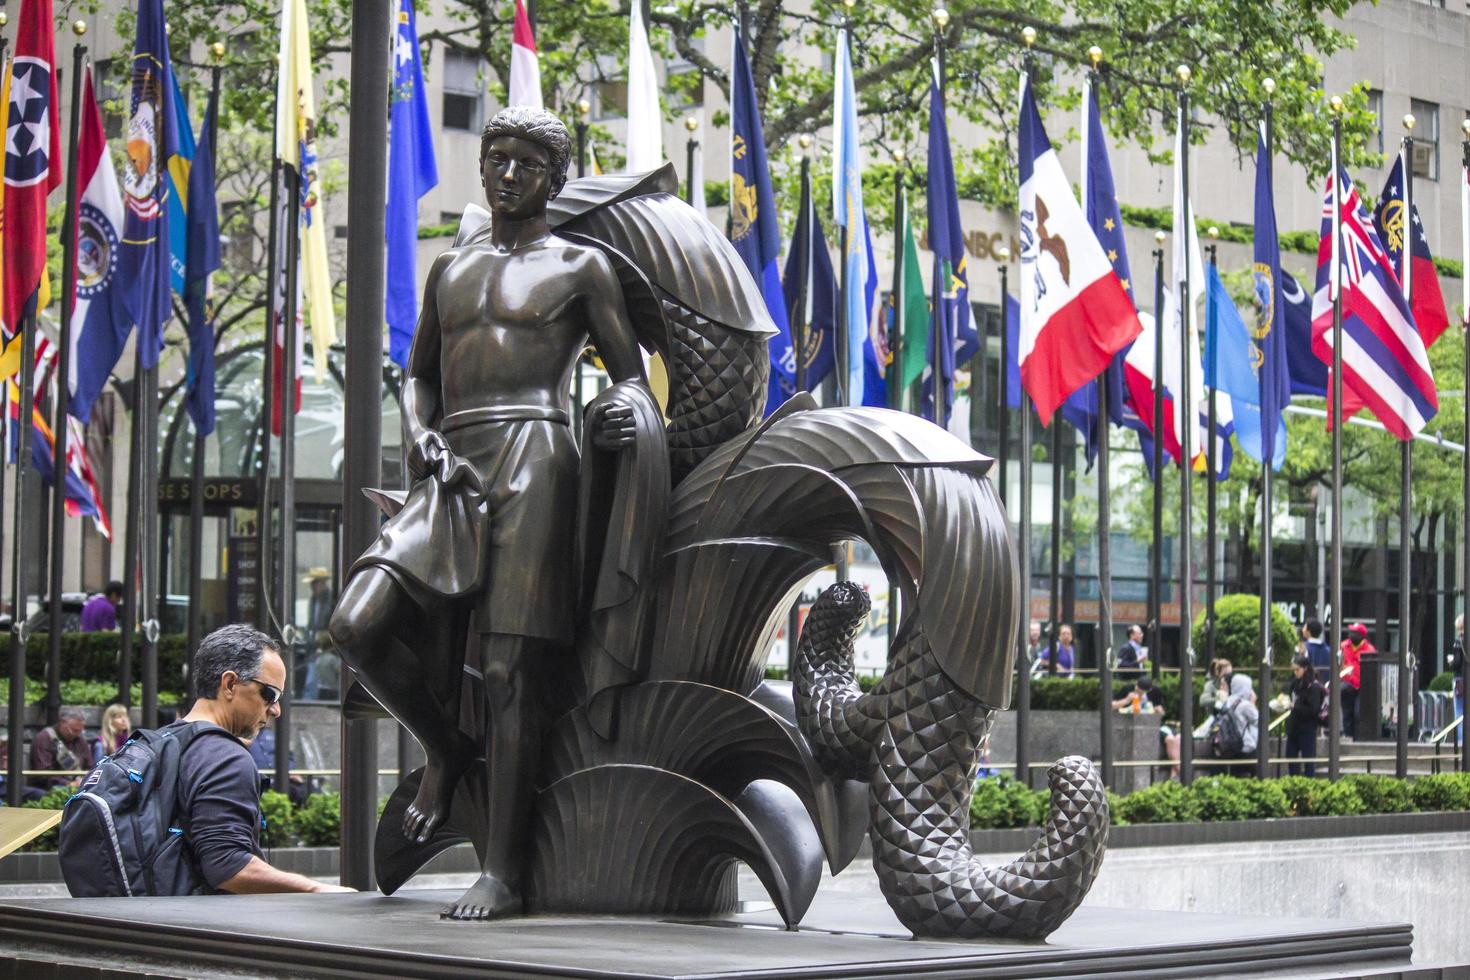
(71,714)
(237,648)
(538,126)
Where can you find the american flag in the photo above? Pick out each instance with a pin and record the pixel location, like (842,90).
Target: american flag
(1384,360)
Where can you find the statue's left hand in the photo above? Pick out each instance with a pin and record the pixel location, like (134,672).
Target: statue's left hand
(612,427)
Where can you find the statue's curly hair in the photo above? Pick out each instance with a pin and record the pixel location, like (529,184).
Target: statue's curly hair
(538,126)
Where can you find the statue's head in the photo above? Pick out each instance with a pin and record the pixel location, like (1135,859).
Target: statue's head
(526,147)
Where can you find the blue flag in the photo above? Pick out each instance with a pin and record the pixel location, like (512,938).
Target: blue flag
(847,206)
(875,388)
(153,151)
(951,315)
(1265,437)
(1230,367)
(411,174)
(1308,371)
(178,193)
(1013,341)
(202,259)
(755,227)
(809,262)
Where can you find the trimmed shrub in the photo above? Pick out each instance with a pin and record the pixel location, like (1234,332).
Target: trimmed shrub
(1382,794)
(1062,694)
(1238,631)
(1443,682)
(1335,800)
(95,657)
(1115,803)
(1220,798)
(1167,802)
(1264,799)
(1297,790)
(1003,802)
(279,818)
(319,822)
(1441,791)
(55,799)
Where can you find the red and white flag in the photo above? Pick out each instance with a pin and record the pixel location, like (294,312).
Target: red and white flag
(1075,314)
(525,71)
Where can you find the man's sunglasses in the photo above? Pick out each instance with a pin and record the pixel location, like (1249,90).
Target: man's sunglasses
(268,693)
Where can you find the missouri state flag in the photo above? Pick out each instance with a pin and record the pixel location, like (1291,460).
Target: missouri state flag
(1384,361)
(100,319)
(1075,314)
(32,171)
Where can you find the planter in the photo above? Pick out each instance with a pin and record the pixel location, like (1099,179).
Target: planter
(1235,831)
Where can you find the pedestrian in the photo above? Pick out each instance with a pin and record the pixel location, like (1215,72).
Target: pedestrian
(1141,698)
(1066,654)
(1353,647)
(115,725)
(1316,649)
(1217,684)
(1234,733)
(239,681)
(1455,662)
(1307,697)
(61,747)
(1134,655)
(100,611)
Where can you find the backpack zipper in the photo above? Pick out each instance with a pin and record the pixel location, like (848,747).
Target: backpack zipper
(106,812)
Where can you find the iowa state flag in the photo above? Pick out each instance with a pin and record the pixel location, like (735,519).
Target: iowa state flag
(1075,314)
(32,170)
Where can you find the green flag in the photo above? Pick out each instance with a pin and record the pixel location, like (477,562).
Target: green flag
(914,355)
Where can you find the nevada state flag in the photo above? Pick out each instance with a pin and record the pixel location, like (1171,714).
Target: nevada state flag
(1075,314)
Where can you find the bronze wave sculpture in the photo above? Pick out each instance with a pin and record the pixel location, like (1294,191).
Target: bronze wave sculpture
(662,757)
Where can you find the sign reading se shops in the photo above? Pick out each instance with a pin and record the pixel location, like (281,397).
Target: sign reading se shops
(173,492)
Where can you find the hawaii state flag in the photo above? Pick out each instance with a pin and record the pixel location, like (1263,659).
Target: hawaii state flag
(32,171)
(1384,361)
(1075,314)
(100,319)
(525,70)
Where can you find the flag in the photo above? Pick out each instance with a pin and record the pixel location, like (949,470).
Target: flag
(203,260)
(412,174)
(696,182)
(1263,434)
(296,147)
(808,262)
(875,352)
(177,175)
(32,171)
(100,319)
(1308,373)
(847,205)
(82,495)
(1383,357)
(912,357)
(1419,279)
(525,70)
(645,119)
(1075,314)
(1233,369)
(1464,244)
(145,265)
(956,336)
(755,227)
(278,326)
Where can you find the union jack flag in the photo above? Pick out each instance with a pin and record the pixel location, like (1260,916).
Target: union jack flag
(1384,360)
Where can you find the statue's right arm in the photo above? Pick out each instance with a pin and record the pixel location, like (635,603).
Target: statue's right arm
(421,383)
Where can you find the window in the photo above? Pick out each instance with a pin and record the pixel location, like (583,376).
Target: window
(463,100)
(1426,139)
(1375,106)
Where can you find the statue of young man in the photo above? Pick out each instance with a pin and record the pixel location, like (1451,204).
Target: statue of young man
(488,525)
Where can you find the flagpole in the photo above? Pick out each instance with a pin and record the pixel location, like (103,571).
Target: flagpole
(1054,570)
(264,538)
(1406,491)
(1104,534)
(1156,546)
(20,560)
(691,147)
(1212,468)
(1334,737)
(939,334)
(196,465)
(896,338)
(1023,639)
(1185,411)
(799,325)
(1268,654)
(584,108)
(287,584)
(1004,254)
(1465,457)
(62,397)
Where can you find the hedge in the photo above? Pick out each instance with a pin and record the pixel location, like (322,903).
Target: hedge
(84,693)
(1238,632)
(95,657)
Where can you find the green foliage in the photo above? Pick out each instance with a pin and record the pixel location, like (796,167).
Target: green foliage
(1003,802)
(1114,802)
(1444,681)
(1339,799)
(96,657)
(1220,798)
(279,816)
(1166,802)
(1298,793)
(1063,694)
(1265,800)
(319,822)
(1442,791)
(55,799)
(1382,794)
(83,693)
(1238,632)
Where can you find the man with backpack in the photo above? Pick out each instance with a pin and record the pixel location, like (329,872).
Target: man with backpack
(177,811)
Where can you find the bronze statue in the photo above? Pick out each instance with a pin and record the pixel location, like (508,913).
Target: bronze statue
(661,755)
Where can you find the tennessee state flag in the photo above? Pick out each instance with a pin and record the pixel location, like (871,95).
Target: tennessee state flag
(32,171)
(1075,314)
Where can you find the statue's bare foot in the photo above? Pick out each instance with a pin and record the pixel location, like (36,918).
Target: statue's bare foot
(488,898)
(430,807)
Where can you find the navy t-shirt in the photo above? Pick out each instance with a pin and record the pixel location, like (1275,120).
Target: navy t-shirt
(219,805)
